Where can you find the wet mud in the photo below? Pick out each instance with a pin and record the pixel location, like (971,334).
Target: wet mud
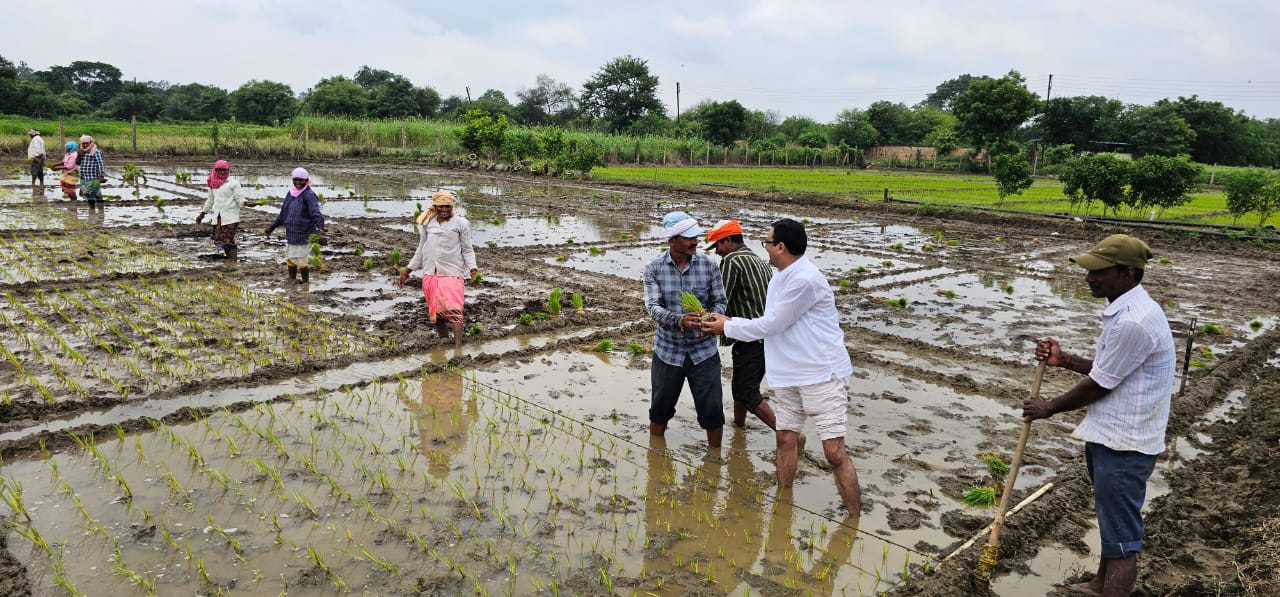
(940,309)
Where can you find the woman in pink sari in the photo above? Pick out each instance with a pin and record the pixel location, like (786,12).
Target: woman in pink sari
(446,258)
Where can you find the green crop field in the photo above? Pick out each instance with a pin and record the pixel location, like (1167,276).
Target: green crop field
(1207,206)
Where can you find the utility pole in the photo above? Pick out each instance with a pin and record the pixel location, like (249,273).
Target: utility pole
(677,102)
(1036,162)
(468,94)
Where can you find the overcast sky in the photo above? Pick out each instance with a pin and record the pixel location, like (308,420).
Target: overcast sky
(798,57)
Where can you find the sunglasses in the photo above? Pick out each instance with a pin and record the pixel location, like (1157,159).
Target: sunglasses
(221,170)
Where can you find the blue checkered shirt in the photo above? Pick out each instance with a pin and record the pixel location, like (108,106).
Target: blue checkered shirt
(663,282)
(92,166)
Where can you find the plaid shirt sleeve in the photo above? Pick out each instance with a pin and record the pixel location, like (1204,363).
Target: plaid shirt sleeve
(92,167)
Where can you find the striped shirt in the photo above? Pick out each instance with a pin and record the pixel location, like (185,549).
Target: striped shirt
(663,282)
(91,166)
(746,278)
(1135,361)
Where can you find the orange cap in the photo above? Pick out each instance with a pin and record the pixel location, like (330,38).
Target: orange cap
(723,229)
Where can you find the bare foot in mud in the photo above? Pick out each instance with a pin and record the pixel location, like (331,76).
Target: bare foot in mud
(1083,588)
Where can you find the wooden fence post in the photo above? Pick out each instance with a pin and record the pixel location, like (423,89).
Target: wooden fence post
(368,137)
(404,135)
(133,122)
(306,140)
(62,135)
(214,134)
(339,145)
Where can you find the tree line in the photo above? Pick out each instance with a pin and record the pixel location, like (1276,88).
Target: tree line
(996,114)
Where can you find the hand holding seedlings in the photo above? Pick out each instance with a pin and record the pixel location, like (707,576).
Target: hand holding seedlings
(404,275)
(713,323)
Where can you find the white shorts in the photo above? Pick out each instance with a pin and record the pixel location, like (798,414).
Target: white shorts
(827,402)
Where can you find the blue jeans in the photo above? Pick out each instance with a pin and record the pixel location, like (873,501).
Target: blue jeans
(1119,488)
(704,384)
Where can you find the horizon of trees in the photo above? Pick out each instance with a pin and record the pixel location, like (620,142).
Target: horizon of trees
(997,114)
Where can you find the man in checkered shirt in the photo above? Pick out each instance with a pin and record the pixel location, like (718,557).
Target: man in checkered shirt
(680,350)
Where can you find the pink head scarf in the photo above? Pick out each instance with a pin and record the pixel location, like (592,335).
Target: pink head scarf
(299,173)
(216,178)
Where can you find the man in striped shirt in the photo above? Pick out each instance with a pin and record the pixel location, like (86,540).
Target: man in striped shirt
(1127,390)
(746,277)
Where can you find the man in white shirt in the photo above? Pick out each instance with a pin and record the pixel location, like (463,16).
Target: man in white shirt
(35,153)
(806,362)
(446,257)
(1127,390)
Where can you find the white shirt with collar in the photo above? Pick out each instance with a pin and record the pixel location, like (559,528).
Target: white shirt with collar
(445,249)
(224,202)
(36,148)
(804,344)
(1135,360)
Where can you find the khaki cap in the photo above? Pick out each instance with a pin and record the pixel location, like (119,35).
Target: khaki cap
(1117,249)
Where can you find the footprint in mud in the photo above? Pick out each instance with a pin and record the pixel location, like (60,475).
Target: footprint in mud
(901,519)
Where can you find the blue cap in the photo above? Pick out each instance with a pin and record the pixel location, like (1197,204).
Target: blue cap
(678,223)
(72,146)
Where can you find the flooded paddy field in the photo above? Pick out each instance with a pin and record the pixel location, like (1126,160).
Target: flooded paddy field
(172,423)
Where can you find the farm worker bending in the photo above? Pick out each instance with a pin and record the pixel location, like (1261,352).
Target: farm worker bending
(35,153)
(446,257)
(70,180)
(806,362)
(1127,390)
(746,277)
(93,171)
(300,215)
(225,197)
(680,350)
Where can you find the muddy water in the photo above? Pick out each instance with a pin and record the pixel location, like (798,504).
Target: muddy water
(437,482)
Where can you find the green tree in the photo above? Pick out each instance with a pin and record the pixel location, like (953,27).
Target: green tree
(923,122)
(1012,172)
(813,138)
(97,82)
(135,99)
(483,131)
(369,77)
(1252,190)
(1220,131)
(263,102)
(723,123)
(10,101)
(548,101)
(891,121)
(337,96)
(947,91)
(1101,177)
(1161,182)
(495,103)
(396,97)
(854,129)
(792,126)
(196,102)
(991,110)
(622,92)
(1157,130)
(1079,121)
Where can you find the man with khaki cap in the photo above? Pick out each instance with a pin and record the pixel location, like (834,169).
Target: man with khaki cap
(1127,390)
(446,257)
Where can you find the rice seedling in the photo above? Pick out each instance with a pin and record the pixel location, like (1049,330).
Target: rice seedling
(569,241)
(636,349)
(1210,329)
(491,243)
(605,345)
(844,283)
(897,246)
(595,251)
(1255,325)
(561,258)
(181,176)
(576,300)
(526,319)
(367,263)
(887,264)
(860,269)
(980,496)
(1164,261)
(948,293)
(395,260)
(475,330)
(553,301)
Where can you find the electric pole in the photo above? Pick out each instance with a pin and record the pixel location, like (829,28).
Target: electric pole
(677,102)
(1045,112)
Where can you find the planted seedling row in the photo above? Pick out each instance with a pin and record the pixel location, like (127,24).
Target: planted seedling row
(394,485)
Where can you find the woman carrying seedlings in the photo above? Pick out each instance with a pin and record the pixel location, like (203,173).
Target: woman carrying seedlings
(446,257)
(93,171)
(70,180)
(225,197)
(300,215)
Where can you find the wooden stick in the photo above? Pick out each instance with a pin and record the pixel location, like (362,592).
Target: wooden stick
(1014,510)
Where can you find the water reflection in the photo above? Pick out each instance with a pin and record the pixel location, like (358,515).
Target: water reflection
(785,554)
(700,528)
(444,420)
